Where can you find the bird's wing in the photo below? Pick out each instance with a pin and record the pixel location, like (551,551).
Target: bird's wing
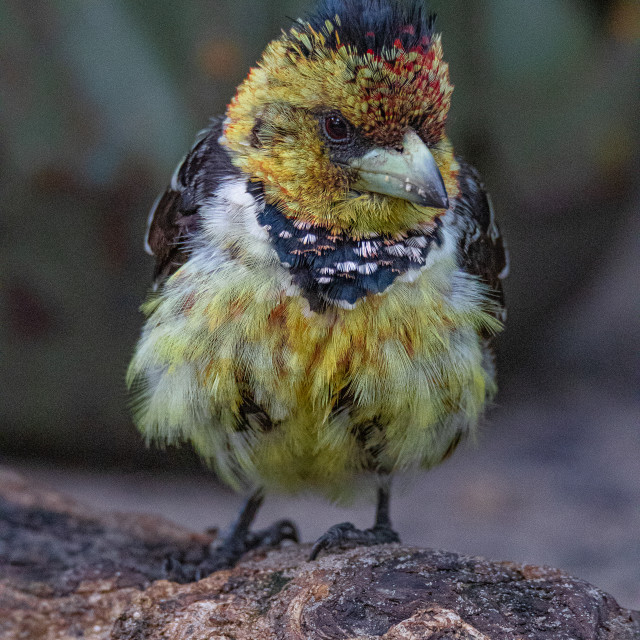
(175,216)
(483,251)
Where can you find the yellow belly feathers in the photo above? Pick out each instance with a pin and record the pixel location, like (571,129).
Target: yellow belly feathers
(387,385)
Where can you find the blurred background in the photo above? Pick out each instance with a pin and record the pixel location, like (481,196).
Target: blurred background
(99,99)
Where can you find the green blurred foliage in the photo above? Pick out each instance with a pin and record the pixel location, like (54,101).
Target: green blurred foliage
(100,98)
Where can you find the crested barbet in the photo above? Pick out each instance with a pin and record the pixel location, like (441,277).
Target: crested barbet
(328,275)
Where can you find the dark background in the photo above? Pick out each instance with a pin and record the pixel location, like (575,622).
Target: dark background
(99,99)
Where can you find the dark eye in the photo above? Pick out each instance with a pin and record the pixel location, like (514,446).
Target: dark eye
(336,128)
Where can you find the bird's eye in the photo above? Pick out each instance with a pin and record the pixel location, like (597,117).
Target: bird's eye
(336,128)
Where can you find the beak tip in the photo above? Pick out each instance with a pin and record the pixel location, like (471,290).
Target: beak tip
(438,200)
(441,193)
(443,201)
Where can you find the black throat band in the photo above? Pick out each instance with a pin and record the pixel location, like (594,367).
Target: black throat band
(338,269)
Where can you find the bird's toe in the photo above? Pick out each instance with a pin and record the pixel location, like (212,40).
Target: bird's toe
(345,534)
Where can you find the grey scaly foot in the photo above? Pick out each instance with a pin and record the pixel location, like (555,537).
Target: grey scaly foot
(226,554)
(345,534)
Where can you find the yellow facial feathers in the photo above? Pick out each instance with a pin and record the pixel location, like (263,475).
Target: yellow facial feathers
(382,95)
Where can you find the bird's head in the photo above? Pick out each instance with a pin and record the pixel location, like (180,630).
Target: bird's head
(343,120)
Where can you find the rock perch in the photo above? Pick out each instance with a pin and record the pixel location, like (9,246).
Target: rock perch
(68,573)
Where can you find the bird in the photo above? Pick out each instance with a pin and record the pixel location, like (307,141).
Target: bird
(328,276)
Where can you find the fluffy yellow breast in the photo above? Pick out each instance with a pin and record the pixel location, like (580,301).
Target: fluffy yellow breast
(272,394)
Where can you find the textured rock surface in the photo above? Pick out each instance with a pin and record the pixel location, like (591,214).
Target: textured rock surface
(68,573)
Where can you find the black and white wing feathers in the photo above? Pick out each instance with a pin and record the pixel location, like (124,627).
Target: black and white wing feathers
(482,251)
(175,215)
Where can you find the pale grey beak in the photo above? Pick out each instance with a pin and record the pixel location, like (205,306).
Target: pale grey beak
(411,174)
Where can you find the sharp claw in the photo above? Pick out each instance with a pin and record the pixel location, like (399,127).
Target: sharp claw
(290,531)
(316,549)
(335,535)
(282,530)
(274,535)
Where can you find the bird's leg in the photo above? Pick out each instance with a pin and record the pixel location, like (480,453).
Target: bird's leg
(346,534)
(240,539)
(383,519)
(225,553)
